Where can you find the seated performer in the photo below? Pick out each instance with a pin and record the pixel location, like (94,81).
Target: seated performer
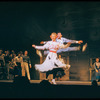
(18,60)
(97,70)
(63,40)
(51,63)
(62,60)
(61,72)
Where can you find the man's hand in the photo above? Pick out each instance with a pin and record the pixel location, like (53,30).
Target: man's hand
(33,46)
(80,41)
(41,42)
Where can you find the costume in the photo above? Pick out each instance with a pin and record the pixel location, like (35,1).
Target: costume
(96,75)
(51,60)
(18,63)
(62,41)
(25,66)
(97,67)
(51,63)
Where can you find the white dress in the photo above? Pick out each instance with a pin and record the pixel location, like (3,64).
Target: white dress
(51,60)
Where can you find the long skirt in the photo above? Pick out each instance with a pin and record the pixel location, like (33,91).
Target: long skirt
(50,63)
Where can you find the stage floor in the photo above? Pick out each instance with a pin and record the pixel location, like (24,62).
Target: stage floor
(58,82)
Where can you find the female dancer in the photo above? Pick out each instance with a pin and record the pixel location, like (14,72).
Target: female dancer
(51,64)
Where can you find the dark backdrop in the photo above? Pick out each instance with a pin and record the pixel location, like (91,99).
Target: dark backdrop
(25,23)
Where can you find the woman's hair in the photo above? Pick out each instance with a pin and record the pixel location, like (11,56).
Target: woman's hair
(53,33)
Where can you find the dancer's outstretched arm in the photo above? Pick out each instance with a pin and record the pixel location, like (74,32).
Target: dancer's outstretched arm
(41,47)
(72,41)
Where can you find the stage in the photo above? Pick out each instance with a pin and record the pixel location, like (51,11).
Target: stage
(58,82)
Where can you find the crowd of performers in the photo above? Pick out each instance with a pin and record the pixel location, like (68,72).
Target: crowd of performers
(14,64)
(52,64)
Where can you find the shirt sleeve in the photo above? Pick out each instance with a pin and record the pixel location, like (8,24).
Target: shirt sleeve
(45,46)
(68,40)
(45,42)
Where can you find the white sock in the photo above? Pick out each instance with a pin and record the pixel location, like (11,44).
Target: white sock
(53,80)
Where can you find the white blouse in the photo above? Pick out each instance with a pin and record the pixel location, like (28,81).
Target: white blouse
(53,46)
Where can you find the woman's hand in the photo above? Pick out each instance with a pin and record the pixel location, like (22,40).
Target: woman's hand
(41,42)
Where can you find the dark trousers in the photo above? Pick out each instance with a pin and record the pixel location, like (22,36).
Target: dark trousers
(7,69)
(17,70)
(95,76)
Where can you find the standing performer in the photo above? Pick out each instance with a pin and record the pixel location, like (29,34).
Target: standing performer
(25,65)
(7,61)
(96,74)
(51,63)
(61,72)
(63,40)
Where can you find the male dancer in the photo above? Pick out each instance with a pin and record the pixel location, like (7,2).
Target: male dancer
(63,40)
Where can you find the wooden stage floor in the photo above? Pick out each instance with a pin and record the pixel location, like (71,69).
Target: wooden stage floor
(58,82)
